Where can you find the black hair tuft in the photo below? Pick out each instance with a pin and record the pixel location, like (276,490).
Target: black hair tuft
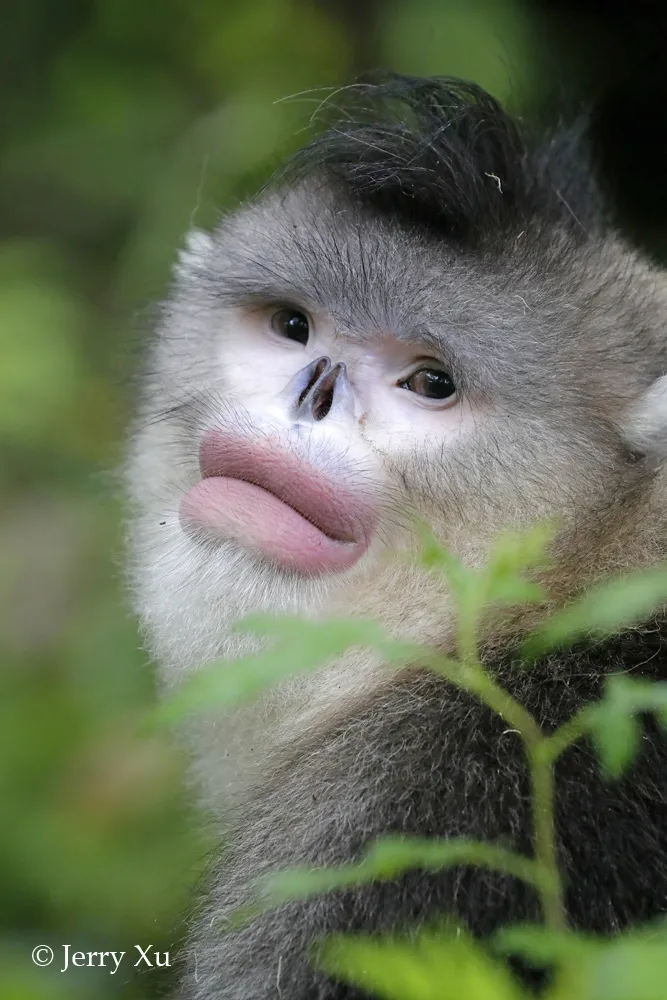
(441,153)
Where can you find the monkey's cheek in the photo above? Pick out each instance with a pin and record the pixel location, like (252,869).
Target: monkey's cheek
(230,509)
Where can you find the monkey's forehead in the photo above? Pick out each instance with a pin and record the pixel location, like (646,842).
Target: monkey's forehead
(312,245)
(342,257)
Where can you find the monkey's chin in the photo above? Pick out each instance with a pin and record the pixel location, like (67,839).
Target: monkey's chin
(225,508)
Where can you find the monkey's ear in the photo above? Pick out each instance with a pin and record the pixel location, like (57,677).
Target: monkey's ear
(197,245)
(645,426)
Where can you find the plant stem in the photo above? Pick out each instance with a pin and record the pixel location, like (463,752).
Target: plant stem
(476,679)
(544,832)
(541,752)
(568,733)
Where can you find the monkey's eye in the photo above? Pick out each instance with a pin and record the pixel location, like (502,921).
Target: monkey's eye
(291,324)
(430,382)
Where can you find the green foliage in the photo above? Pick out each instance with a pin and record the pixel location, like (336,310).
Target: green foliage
(603,611)
(390,857)
(432,966)
(300,646)
(489,43)
(631,966)
(440,964)
(613,723)
(502,580)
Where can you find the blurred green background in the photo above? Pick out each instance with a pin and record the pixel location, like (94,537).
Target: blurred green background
(122,122)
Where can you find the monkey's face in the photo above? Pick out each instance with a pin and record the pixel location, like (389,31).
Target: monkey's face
(294,471)
(320,378)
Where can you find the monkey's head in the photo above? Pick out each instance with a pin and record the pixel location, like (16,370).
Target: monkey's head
(425,315)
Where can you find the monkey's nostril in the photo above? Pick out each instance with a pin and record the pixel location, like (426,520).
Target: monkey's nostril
(325,390)
(316,370)
(326,386)
(323,403)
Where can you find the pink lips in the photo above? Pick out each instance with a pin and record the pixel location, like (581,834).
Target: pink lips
(273,504)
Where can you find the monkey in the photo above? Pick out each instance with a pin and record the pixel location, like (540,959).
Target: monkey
(428,313)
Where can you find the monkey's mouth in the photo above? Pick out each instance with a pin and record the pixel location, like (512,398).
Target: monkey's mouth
(273,504)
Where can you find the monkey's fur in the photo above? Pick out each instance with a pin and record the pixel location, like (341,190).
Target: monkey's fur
(424,215)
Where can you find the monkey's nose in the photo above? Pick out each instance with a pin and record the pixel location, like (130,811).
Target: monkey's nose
(321,390)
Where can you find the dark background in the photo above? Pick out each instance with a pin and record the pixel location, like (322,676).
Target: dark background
(122,122)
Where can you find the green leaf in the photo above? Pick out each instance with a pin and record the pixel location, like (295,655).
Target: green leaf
(501,580)
(389,857)
(631,966)
(445,966)
(516,591)
(512,554)
(335,631)
(433,556)
(636,694)
(612,722)
(616,736)
(602,611)
(300,645)
(542,947)
(330,636)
